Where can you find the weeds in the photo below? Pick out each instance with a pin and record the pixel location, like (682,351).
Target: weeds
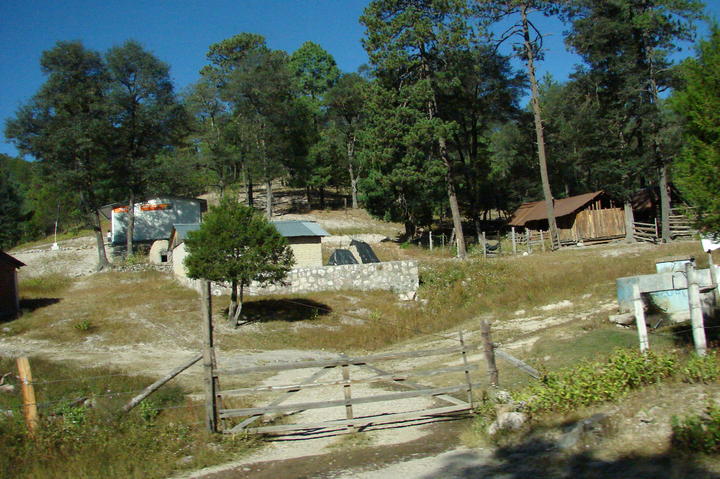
(44,286)
(698,433)
(89,438)
(593,382)
(83,326)
(702,369)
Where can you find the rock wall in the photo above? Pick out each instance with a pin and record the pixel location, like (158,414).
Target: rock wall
(401,277)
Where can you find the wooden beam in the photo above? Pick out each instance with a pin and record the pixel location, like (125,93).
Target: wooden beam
(362,421)
(226,413)
(400,377)
(523,366)
(157,384)
(324,363)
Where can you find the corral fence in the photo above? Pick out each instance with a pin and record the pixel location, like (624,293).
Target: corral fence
(364,390)
(680,226)
(345,373)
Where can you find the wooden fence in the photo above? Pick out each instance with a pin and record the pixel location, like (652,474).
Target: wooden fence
(680,226)
(349,372)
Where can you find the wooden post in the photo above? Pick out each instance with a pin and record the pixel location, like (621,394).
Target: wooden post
(713,278)
(512,236)
(484,245)
(211,414)
(629,223)
(696,317)
(542,240)
(467,370)
(640,318)
(431,242)
(347,392)
(28,395)
(489,349)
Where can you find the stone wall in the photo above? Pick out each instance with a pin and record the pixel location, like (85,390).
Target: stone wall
(400,277)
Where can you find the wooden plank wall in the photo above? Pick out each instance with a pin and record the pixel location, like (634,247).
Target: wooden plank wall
(598,223)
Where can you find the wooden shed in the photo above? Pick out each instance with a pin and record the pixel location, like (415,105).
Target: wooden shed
(586,217)
(9,293)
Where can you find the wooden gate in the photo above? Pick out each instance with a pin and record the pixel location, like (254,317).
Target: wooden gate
(352,372)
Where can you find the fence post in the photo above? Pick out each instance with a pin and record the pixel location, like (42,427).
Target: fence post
(28,395)
(512,236)
(696,316)
(640,318)
(713,278)
(347,392)
(467,369)
(211,413)
(431,242)
(489,350)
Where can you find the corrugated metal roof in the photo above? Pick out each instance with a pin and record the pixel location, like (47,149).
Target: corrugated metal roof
(536,210)
(294,228)
(183,229)
(6,258)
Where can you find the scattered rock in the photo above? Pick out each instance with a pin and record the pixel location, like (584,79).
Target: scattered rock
(624,319)
(580,430)
(507,421)
(561,305)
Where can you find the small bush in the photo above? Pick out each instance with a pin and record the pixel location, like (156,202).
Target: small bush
(702,369)
(594,382)
(83,326)
(700,433)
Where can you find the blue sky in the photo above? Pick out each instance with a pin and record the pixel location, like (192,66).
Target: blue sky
(180,31)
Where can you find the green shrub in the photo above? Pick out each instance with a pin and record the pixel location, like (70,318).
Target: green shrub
(594,382)
(699,433)
(702,369)
(83,326)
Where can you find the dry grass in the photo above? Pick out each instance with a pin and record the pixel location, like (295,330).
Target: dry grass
(127,308)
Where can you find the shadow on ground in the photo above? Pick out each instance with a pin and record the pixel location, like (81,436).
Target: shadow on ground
(289,310)
(543,459)
(30,305)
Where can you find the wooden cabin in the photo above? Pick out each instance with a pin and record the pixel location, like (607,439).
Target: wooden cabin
(590,217)
(9,294)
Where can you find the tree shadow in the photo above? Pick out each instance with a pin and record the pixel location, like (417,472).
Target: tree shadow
(28,305)
(544,459)
(289,310)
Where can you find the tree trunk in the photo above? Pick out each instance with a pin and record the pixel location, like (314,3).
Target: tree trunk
(321,192)
(353,179)
(250,198)
(268,199)
(130,230)
(554,237)
(233,302)
(452,197)
(664,204)
(102,257)
(629,222)
(238,307)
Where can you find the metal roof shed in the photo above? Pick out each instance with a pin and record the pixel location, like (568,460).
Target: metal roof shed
(305,239)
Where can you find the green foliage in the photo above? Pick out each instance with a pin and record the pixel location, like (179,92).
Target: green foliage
(83,326)
(10,209)
(702,369)
(594,382)
(699,433)
(314,68)
(236,243)
(698,103)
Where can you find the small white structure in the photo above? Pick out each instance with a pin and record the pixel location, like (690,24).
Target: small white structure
(305,239)
(154,218)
